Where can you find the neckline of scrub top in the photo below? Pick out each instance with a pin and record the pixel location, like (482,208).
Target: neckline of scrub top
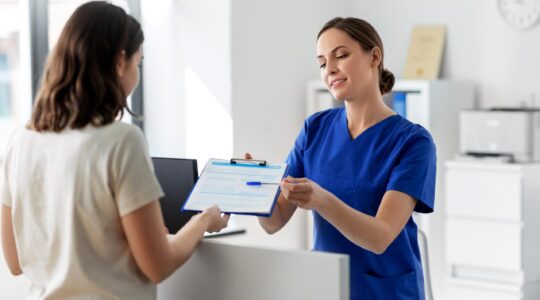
(344,124)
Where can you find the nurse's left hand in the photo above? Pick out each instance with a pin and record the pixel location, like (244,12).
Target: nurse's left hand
(304,193)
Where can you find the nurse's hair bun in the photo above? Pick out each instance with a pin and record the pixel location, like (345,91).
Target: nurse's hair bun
(386,81)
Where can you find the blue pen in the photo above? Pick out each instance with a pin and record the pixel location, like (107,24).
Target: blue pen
(256,183)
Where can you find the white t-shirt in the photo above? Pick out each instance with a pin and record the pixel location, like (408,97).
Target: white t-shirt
(67,192)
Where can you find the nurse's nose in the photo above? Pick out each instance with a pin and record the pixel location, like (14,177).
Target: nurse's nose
(331,68)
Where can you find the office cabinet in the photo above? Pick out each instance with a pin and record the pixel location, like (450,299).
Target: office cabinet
(492,230)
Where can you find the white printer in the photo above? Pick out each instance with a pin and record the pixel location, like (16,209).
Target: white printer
(510,132)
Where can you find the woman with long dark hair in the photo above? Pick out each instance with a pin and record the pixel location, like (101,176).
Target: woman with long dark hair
(80,210)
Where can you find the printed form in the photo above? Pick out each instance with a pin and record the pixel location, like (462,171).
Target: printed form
(242,188)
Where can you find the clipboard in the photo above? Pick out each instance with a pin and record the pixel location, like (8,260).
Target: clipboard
(229,185)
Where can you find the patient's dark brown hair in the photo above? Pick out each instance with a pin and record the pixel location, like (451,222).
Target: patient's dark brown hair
(80,85)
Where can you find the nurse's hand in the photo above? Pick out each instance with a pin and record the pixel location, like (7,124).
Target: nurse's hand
(304,193)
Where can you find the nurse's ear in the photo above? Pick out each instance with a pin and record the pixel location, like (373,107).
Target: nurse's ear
(376,57)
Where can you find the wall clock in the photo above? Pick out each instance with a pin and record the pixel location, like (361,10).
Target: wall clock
(521,14)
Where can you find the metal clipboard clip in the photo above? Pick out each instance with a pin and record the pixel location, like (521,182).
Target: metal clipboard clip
(256,162)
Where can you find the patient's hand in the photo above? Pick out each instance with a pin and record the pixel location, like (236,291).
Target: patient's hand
(216,222)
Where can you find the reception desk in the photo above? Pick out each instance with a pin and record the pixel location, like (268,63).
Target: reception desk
(218,270)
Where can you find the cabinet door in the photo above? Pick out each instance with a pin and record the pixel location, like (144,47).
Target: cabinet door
(482,194)
(484,244)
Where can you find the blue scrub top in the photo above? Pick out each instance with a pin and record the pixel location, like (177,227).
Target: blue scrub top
(393,154)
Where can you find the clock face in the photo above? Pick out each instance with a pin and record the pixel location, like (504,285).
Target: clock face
(521,14)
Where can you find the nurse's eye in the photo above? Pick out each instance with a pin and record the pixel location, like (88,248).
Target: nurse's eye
(322,66)
(342,56)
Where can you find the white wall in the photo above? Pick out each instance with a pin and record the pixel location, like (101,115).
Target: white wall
(480,46)
(255,58)
(187,62)
(273,57)
(163,80)
(510,61)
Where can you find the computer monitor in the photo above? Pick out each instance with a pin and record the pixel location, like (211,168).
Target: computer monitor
(177,177)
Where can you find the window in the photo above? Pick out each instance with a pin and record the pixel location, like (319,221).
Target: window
(14,96)
(59,12)
(5,89)
(23,48)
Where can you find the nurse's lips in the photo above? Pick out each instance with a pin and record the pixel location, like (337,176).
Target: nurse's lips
(336,82)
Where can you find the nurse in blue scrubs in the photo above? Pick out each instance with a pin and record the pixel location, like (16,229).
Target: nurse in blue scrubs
(361,169)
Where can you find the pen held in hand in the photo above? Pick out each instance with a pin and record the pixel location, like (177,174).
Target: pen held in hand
(258,183)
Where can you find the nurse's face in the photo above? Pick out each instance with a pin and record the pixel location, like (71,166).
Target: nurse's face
(346,68)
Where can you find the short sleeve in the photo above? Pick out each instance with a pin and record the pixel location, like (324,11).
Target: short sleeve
(415,172)
(5,192)
(295,160)
(134,183)
(4,185)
